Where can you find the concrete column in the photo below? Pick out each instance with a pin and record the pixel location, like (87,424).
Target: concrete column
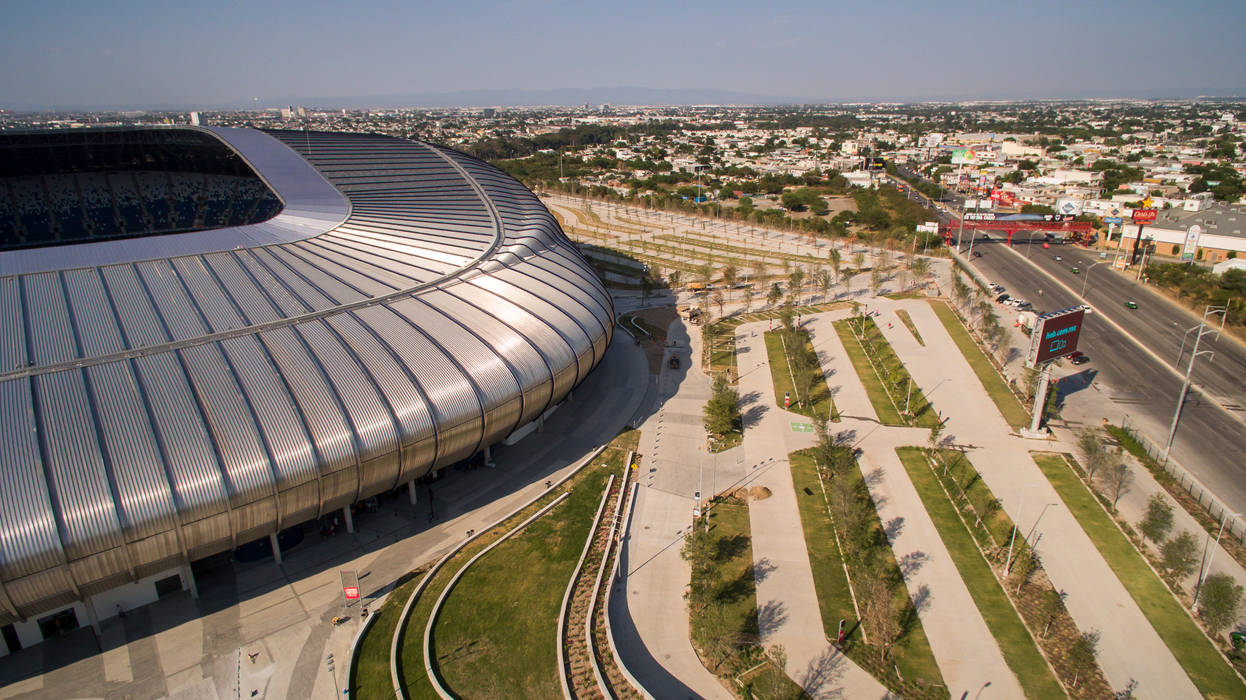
(489,457)
(540,423)
(272,539)
(188,576)
(92,617)
(411,492)
(350,520)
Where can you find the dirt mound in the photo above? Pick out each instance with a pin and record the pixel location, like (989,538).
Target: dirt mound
(751,493)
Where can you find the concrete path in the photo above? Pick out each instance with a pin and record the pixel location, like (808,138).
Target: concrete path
(651,621)
(788,611)
(1097,600)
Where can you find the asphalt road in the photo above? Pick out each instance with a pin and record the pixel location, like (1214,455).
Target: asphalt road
(1209,441)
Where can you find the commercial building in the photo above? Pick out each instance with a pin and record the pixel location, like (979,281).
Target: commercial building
(215,336)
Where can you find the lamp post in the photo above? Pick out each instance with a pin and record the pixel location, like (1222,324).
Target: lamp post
(1034,527)
(1086,279)
(1185,385)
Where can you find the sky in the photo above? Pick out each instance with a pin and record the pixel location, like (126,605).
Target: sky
(178,54)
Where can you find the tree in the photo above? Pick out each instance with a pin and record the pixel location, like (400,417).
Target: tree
(748,298)
(876,280)
(1158,520)
(1117,479)
(1052,605)
(722,413)
(1177,556)
(674,277)
(1218,601)
(775,294)
(921,268)
(717,298)
(796,280)
(880,610)
(759,268)
(1024,566)
(858,260)
(646,288)
(1090,449)
(1082,654)
(835,259)
(729,275)
(823,279)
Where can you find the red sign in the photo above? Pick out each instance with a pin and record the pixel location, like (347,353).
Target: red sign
(352,592)
(787,400)
(1145,216)
(1055,334)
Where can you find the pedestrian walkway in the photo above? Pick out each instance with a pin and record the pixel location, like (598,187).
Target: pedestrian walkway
(1096,598)
(787,600)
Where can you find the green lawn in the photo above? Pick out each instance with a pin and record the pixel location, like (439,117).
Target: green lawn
(885,367)
(1206,668)
(823,405)
(911,653)
(1012,410)
(723,616)
(370,676)
(496,635)
(1015,642)
(412,674)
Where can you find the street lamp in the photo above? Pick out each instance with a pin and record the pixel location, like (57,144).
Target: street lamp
(1086,279)
(1203,571)
(1036,520)
(1185,385)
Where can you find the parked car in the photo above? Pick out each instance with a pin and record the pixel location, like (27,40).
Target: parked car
(1087,308)
(977,253)
(1001,298)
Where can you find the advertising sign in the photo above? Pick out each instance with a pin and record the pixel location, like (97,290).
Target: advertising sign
(1145,216)
(1007,199)
(1191,242)
(964,156)
(1069,206)
(350,585)
(1055,334)
(980,216)
(1113,220)
(875,163)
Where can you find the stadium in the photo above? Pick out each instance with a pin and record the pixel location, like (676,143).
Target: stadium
(212,336)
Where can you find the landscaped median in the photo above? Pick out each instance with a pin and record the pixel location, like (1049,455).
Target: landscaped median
(1016,642)
(722,603)
(886,380)
(797,373)
(1199,658)
(855,570)
(1012,410)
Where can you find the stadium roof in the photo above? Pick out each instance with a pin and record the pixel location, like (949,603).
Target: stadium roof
(164,399)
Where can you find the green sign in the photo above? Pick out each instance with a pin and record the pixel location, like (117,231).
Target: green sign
(802,427)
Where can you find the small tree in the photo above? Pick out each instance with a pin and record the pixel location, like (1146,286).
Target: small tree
(1082,654)
(880,613)
(1051,607)
(1024,566)
(1178,555)
(1218,602)
(775,294)
(1117,479)
(1090,449)
(1158,520)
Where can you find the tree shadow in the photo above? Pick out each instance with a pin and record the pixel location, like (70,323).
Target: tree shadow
(1012,355)
(894,527)
(845,437)
(750,397)
(822,675)
(770,617)
(730,547)
(921,601)
(912,562)
(753,415)
(762,569)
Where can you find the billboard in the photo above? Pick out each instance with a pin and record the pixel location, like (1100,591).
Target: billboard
(1055,334)
(1191,242)
(964,156)
(875,163)
(1145,216)
(1069,206)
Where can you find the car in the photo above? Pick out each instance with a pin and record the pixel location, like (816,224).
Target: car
(1131,304)
(1075,270)
(1078,357)
(1087,308)
(997,288)
(1025,306)
(1001,298)
(977,253)
(1059,258)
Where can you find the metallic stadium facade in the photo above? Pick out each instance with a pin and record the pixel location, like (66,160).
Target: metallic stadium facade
(167,398)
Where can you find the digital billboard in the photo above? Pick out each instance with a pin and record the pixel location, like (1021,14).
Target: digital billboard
(964,156)
(1055,334)
(875,163)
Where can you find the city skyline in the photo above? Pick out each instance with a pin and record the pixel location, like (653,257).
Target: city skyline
(73,55)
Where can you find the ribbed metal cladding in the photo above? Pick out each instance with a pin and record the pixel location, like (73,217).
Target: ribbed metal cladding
(156,411)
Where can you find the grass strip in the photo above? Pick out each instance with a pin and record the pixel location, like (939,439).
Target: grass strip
(370,678)
(819,402)
(496,635)
(878,367)
(411,671)
(910,669)
(722,603)
(1012,410)
(907,320)
(1196,654)
(1015,641)
(886,411)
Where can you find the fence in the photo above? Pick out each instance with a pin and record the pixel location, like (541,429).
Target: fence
(1233,525)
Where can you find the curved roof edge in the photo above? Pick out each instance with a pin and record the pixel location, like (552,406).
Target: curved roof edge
(312,206)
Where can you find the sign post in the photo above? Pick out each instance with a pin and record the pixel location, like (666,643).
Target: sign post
(1191,242)
(350,587)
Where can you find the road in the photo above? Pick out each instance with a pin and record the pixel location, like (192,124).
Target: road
(1208,441)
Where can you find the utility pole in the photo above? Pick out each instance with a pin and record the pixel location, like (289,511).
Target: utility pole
(1185,385)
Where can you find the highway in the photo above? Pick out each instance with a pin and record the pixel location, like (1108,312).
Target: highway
(1209,440)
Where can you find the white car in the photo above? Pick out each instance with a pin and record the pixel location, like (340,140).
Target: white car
(1087,308)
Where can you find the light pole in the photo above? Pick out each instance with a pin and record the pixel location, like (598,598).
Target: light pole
(1086,279)
(1034,527)
(1203,571)
(1185,385)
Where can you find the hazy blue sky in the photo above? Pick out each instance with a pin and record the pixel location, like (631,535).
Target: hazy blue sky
(172,52)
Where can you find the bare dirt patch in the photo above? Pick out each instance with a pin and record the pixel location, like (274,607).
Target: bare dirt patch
(750,493)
